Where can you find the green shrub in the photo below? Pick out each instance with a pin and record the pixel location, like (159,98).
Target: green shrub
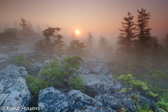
(159,75)
(163,104)
(135,84)
(20,60)
(76,83)
(52,73)
(145,108)
(140,84)
(56,73)
(132,86)
(35,84)
(128,79)
(150,93)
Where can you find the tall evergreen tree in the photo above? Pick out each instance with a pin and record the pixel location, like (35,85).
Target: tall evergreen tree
(127,35)
(143,36)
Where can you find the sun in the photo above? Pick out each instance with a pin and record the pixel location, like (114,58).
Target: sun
(77,32)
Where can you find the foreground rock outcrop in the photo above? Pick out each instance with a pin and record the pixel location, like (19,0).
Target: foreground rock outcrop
(13,89)
(101,93)
(52,100)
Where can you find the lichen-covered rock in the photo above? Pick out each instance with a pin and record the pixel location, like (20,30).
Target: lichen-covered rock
(94,109)
(79,99)
(14,71)
(98,87)
(94,67)
(52,100)
(100,84)
(13,89)
(116,101)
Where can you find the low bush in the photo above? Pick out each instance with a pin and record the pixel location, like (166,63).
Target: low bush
(134,85)
(76,83)
(20,60)
(35,84)
(56,74)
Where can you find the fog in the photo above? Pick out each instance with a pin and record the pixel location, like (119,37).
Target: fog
(128,39)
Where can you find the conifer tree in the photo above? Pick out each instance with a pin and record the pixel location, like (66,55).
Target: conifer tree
(127,35)
(143,37)
(103,43)
(76,48)
(26,27)
(89,41)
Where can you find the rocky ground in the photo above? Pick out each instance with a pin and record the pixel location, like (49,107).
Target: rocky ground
(101,94)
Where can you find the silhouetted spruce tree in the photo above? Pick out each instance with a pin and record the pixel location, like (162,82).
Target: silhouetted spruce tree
(127,35)
(103,43)
(144,39)
(52,43)
(89,41)
(76,48)
(26,27)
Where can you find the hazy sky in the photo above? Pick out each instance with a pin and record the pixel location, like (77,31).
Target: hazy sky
(100,17)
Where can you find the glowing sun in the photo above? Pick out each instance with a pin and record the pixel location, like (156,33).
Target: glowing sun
(77,32)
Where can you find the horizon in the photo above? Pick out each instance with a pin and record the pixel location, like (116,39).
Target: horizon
(98,17)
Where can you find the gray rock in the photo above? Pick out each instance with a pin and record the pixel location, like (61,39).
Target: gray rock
(13,89)
(99,87)
(39,65)
(52,100)
(4,57)
(94,109)
(92,78)
(93,66)
(79,99)
(14,71)
(116,101)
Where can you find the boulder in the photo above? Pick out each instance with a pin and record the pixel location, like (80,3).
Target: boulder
(94,109)
(39,65)
(93,66)
(52,100)
(98,88)
(100,84)
(13,89)
(14,71)
(78,100)
(116,101)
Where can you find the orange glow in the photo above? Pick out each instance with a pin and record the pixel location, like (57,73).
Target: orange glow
(77,32)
